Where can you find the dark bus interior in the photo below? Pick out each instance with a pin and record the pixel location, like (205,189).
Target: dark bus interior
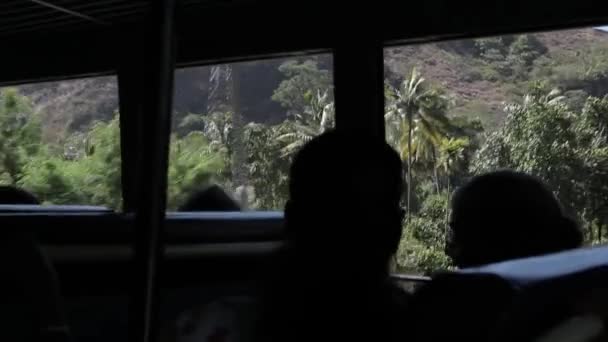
(123,273)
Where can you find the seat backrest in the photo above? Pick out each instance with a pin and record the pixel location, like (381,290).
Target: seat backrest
(31,309)
(455,308)
(229,319)
(517,300)
(538,311)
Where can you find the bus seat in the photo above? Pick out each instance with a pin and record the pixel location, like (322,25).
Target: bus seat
(516,300)
(31,307)
(555,292)
(456,308)
(227,319)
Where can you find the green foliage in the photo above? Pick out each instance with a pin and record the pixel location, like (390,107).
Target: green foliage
(537,139)
(307,96)
(191,122)
(54,180)
(523,51)
(20,134)
(481,111)
(317,117)
(493,48)
(271,149)
(416,114)
(435,147)
(494,51)
(591,130)
(416,121)
(492,155)
(87,169)
(193,164)
(508,57)
(422,246)
(584,70)
(87,172)
(268,165)
(90,174)
(544,137)
(304,81)
(102,162)
(453,154)
(526,49)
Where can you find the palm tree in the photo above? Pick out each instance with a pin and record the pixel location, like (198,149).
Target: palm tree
(452,151)
(417,121)
(424,146)
(240,182)
(217,128)
(317,117)
(539,95)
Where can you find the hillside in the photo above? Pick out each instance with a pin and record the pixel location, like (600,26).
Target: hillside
(457,68)
(472,72)
(72,105)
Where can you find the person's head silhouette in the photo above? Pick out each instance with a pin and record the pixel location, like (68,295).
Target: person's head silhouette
(506,215)
(344,206)
(212,198)
(13,195)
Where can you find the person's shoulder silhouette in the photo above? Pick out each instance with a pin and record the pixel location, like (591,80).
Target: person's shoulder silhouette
(505,215)
(13,195)
(211,198)
(343,221)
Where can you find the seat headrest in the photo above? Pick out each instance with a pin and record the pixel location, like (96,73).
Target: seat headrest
(515,300)
(30,291)
(530,271)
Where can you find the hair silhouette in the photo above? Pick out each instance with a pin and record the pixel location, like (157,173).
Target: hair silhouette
(13,195)
(343,222)
(212,198)
(506,215)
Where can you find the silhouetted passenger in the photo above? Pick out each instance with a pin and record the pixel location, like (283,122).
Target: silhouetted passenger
(343,222)
(212,198)
(31,304)
(214,319)
(13,195)
(507,215)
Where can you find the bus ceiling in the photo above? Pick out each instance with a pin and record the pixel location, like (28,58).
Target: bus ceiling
(52,39)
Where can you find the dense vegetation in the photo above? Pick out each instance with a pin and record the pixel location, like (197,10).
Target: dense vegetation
(552,122)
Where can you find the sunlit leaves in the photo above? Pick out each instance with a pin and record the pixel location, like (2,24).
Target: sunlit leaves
(568,149)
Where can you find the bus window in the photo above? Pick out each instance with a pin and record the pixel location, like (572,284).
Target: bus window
(60,141)
(533,102)
(238,125)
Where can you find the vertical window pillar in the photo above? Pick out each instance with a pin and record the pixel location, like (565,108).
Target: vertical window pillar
(359,87)
(156,84)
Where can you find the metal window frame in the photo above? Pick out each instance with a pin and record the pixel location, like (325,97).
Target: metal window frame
(359,96)
(152,144)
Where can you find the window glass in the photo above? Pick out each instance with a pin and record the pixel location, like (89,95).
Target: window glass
(237,126)
(530,102)
(60,141)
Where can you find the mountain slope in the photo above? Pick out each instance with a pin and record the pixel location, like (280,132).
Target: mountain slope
(474,81)
(457,68)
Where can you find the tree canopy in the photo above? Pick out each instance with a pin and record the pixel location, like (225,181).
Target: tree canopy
(555,127)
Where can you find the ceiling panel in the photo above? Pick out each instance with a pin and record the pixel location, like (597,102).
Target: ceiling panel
(44,17)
